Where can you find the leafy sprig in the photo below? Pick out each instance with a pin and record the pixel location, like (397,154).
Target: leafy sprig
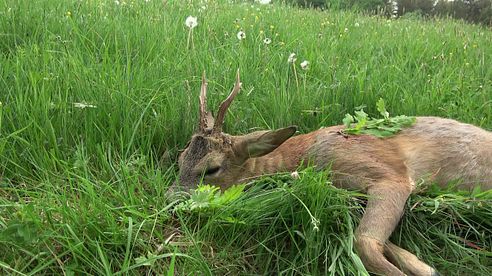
(207,197)
(361,123)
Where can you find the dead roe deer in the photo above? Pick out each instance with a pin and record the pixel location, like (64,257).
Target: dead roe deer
(434,149)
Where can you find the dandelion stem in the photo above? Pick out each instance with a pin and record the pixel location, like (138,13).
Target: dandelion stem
(295,75)
(305,78)
(190,39)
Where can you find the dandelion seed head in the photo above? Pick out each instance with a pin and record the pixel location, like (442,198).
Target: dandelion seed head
(191,22)
(292,58)
(305,65)
(294,175)
(241,35)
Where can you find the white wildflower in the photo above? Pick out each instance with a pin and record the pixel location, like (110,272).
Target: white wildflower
(356,24)
(117,2)
(83,105)
(191,22)
(292,58)
(241,35)
(305,65)
(264,2)
(267,41)
(315,223)
(294,175)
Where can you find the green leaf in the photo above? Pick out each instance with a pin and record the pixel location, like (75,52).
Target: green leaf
(377,127)
(360,115)
(378,133)
(348,120)
(148,260)
(380,105)
(207,197)
(229,195)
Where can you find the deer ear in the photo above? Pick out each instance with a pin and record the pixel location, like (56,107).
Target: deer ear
(259,143)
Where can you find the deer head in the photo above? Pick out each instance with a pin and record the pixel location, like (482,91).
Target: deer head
(218,158)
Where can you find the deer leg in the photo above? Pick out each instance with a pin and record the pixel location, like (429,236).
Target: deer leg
(406,261)
(383,212)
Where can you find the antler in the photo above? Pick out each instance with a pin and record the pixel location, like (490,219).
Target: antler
(225,105)
(203,104)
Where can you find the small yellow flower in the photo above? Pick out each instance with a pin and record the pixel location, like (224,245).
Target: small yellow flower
(68,14)
(272,27)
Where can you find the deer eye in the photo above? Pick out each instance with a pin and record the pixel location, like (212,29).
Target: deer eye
(212,170)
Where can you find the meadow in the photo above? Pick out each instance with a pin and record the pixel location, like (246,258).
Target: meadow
(98,97)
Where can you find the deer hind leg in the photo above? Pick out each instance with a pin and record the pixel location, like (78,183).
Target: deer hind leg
(383,212)
(406,261)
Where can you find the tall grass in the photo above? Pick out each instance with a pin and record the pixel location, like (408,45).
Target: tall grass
(94,93)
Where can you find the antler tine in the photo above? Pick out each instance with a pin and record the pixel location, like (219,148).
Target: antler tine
(225,105)
(203,104)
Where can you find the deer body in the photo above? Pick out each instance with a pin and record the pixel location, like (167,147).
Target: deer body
(387,169)
(434,150)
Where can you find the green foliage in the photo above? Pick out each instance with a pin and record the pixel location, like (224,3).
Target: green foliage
(477,11)
(210,197)
(94,94)
(384,127)
(359,5)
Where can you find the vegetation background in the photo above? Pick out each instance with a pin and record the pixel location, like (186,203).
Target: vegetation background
(476,11)
(97,97)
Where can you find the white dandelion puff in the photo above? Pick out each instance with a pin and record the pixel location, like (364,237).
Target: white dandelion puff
(292,58)
(241,35)
(294,175)
(191,22)
(305,65)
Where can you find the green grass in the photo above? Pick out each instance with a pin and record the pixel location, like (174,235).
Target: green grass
(83,190)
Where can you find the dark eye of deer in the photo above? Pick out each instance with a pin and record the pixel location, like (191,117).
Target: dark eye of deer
(212,170)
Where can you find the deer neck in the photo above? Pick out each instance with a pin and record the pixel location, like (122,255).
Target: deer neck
(286,158)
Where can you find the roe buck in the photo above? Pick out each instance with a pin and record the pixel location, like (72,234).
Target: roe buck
(433,149)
